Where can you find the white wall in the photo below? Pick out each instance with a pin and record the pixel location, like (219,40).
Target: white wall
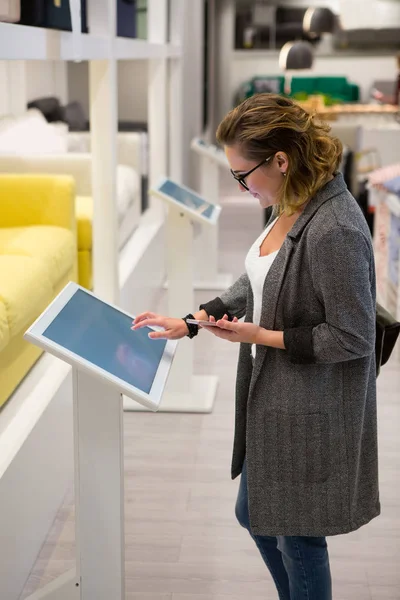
(13,87)
(332,4)
(132,88)
(360,14)
(4,96)
(362,70)
(355,13)
(22,81)
(46,78)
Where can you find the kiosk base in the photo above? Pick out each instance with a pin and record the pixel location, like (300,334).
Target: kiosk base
(200,399)
(65,587)
(99,493)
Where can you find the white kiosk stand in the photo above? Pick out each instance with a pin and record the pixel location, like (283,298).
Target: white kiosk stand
(107,359)
(184,392)
(206,249)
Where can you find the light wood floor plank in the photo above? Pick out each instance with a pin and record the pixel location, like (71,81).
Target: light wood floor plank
(385,593)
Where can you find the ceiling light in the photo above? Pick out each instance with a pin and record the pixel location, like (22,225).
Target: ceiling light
(296,55)
(319,20)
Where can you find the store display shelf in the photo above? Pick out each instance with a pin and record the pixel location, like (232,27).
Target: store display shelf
(20,42)
(135,49)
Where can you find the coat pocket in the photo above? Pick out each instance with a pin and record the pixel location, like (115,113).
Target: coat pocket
(297,447)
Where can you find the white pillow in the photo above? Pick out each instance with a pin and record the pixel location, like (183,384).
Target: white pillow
(127,189)
(31,134)
(6,121)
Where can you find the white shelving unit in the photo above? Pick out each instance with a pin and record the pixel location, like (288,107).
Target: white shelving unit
(48,44)
(36,424)
(103,49)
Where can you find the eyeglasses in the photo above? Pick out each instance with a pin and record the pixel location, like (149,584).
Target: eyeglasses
(241,178)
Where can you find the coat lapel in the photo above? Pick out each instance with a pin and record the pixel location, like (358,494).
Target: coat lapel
(272,287)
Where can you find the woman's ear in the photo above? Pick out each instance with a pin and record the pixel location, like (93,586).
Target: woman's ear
(283,162)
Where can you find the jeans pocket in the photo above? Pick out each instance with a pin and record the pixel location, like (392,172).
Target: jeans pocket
(297,447)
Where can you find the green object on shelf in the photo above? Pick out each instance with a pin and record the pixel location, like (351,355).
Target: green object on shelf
(337,88)
(355,92)
(300,96)
(141,19)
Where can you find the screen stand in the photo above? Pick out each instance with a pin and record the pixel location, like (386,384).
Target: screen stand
(99,496)
(206,244)
(184,392)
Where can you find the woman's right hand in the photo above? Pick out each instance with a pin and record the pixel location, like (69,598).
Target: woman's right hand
(174,329)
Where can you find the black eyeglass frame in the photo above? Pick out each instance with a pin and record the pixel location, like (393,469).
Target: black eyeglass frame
(241,178)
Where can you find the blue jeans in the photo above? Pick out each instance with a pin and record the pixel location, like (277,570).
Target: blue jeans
(299,565)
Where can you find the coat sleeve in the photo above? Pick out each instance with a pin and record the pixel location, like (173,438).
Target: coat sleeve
(232,302)
(342,268)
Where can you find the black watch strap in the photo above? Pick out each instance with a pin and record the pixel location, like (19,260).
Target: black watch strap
(193,329)
(216,308)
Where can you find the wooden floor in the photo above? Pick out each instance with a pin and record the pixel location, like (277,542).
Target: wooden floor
(182,539)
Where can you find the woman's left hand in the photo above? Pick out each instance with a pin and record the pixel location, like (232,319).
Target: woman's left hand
(233,331)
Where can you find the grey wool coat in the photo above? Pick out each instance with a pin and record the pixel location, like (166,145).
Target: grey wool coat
(306,417)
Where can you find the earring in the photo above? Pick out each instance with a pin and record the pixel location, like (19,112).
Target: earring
(284,174)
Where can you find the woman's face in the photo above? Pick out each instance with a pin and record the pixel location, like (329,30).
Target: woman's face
(265,182)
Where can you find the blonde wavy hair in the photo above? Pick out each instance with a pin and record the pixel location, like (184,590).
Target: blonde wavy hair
(265,124)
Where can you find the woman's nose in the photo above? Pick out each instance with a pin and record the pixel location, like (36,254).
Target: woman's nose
(241,188)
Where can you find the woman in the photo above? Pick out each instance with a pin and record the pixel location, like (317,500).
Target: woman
(306,430)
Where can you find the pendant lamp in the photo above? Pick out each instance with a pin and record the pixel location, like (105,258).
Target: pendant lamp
(296,55)
(319,20)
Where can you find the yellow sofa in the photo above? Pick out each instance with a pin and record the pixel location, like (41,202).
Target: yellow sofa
(38,257)
(54,155)
(84,219)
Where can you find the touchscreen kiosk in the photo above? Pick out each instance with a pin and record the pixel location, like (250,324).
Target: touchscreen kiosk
(97,337)
(186,392)
(183,197)
(210,151)
(108,359)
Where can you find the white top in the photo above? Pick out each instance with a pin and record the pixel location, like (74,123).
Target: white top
(257,268)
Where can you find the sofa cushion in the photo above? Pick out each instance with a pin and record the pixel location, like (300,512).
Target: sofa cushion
(25,290)
(84,218)
(55,247)
(4,330)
